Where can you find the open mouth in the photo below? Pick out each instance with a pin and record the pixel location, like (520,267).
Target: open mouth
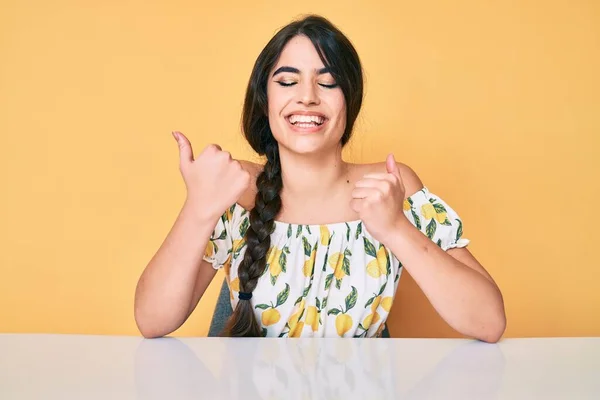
(306,121)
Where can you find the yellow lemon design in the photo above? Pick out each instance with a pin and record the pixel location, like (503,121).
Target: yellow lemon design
(270,317)
(324,235)
(367,321)
(343,323)
(373,269)
(297,332)
(441,217)
(428,210)
(382,260)
(312,318)
(210,249)
(308,264)
(406,205)
(386,304)
(375,303)
(274,265)
(336,261)
(235,284)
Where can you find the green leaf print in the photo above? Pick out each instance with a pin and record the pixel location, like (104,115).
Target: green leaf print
(318,304)
(324,303)
(382,288)
(298,300)
(328,281)
(244,227)
(369,248)
(282,297)
(307,289)
(299,231)
(273,280)
(439,242)
(262,306)
(223,235)
(358,230)
(417,219)
(439,208)
(216,247)
(347,253)
(308,229)
(347,231)
(306,246)
(283,260)
(369,302)
(351,299)
(459,232)
(431,227)
(333,311)
(432,200)
(338,283)
(264,332)
(409,201)
(346,265)
(289,231)
(387,263)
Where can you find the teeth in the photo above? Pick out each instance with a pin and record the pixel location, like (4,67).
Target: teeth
(315,119)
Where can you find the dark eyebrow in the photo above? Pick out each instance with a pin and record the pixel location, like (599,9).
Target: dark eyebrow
(293,70)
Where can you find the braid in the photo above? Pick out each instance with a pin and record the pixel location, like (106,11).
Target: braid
(258,241)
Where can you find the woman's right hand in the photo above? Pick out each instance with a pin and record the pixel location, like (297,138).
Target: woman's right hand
(214,181)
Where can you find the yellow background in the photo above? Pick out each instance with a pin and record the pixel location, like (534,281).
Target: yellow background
(495,105)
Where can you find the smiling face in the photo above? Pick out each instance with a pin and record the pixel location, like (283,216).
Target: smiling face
(307,110)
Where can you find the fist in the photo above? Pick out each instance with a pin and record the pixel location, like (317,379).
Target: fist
(214,181)
(378,199)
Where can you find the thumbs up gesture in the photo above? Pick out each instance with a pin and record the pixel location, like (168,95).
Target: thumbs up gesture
(378,199)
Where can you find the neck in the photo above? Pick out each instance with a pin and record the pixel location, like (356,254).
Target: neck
(310,178)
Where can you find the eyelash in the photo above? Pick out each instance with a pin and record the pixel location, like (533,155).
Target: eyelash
(320,84)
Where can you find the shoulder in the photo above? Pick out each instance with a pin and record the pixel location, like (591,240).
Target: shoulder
(410,179)
(246,200)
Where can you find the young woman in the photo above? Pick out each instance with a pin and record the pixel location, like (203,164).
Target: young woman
(311,245)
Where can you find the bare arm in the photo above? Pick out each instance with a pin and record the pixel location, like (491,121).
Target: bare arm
(176,278)
(456,284)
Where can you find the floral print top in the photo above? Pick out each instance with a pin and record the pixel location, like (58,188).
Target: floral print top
(332,280)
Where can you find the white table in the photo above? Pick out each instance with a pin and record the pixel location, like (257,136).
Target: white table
(109,367)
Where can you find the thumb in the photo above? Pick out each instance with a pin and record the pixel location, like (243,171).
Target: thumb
(185,147)
(391,166)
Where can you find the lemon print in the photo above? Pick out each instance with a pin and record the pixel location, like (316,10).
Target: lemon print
(378,266)
(293,321)
(386,304)
(337,262)
(270,317)
(441,217)
(308,264)
(274,264)
(406,205)
(210,249)
(312,318)
(227,265)
(343,323)
(375,303)
(297,332)
(235,284)
(370,319)
(428,210)
(325,235)
(373,269)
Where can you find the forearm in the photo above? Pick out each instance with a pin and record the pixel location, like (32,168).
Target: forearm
(166,287)
(466,299)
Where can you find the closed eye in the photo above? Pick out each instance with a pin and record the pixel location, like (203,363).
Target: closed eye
(287,84)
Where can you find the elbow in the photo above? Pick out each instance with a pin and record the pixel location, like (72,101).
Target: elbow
(493,331)
(148,327)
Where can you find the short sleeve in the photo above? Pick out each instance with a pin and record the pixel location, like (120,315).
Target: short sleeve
(436,219)
(220,242)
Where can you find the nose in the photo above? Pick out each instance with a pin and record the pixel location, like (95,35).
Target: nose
(308,94)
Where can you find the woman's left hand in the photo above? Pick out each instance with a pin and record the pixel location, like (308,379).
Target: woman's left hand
(378,199)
